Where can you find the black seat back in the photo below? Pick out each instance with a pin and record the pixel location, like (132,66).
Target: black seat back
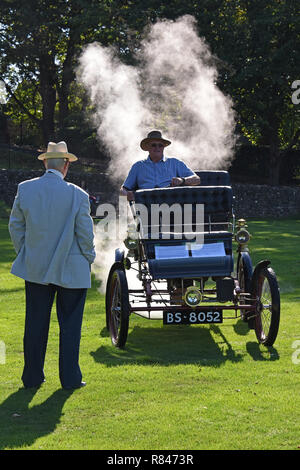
(217,201)
(214,178)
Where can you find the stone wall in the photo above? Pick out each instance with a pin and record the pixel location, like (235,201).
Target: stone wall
(253,200)
(95,184)
(250,200)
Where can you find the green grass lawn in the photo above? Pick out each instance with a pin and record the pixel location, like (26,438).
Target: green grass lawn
(173,387)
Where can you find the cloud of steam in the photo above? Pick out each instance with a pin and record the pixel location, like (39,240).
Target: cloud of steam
(173,89)
(119,111)
(182,96)
(109,235)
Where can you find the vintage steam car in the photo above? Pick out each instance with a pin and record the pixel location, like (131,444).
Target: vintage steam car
(186,267)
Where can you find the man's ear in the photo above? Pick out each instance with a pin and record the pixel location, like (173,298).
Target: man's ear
(66,167)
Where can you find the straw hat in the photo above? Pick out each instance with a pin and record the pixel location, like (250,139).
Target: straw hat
(153,135)
(59,150)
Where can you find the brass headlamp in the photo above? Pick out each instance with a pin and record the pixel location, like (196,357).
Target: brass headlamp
(131,242)
(242,237)
(192,296)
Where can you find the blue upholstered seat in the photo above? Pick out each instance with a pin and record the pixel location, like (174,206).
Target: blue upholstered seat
(217,205)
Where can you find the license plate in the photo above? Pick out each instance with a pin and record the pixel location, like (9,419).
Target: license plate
(192,318)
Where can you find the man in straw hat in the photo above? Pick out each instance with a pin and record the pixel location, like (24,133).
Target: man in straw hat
(52,232)
(157,171)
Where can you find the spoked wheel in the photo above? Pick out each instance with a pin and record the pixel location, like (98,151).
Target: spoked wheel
(266,292)
(117,305)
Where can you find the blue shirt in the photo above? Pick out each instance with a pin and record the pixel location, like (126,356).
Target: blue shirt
(145,174)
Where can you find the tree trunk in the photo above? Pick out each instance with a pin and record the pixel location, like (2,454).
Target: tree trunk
(63,95)
(271,139)
(67,77)
(48,94)
(275,163)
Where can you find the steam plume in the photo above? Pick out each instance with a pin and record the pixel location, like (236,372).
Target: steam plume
(173,89)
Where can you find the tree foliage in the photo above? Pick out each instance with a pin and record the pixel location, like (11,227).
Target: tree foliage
(255,43)
(40,41)
(263,65)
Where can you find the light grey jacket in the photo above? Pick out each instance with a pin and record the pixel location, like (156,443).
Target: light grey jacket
(52,232)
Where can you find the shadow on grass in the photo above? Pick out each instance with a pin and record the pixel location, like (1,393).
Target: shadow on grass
(256,351)
(20,425)
(180,345)
(7,290)
(170,345)
(269,354)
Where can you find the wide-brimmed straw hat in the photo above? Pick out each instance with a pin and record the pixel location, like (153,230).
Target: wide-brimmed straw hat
(153,135)
(59,150)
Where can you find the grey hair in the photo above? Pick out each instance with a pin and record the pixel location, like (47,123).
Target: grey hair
(55,163)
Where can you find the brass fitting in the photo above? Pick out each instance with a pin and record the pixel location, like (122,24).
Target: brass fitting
(242,236)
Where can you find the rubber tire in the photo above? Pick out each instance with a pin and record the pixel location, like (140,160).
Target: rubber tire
(117,296)
(244,271)
(268,337)
(116,265)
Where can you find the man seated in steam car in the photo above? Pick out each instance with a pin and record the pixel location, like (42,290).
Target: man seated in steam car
(157,171)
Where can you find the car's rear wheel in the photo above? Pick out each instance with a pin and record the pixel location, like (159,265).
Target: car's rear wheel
(265,292)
